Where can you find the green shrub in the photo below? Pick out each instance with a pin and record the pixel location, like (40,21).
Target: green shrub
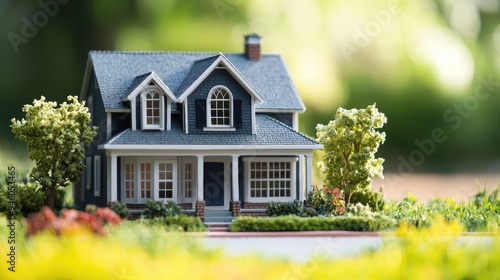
(479,214)
(367,196)
(29,198)
(159,209)
(326,201)
(294,223)
(295,207)
(359,209)
(121,209)
(181,223)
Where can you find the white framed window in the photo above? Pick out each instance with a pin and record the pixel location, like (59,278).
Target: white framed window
(129,180)
(152,101)
(165,178)
(270,179)
(220,108)
(97,175)
(187,181)
(145,182)
(88,173)
(144,178)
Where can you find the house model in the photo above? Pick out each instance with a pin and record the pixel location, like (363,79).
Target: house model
(210,131)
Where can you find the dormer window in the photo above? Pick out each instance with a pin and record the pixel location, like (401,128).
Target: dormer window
(219,108)
(152,108)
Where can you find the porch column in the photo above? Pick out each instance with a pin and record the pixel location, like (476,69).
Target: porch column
(199,161)
(114,179)
(308,173)
(302,186)
(235,181)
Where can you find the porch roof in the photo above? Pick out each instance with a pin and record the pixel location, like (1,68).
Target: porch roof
(269,133)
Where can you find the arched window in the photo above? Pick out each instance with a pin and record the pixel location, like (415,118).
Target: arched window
(219,107)
(152,106)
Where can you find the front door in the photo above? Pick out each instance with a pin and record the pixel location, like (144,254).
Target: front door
(213,183)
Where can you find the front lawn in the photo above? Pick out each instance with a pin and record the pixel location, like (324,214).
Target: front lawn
(133,250)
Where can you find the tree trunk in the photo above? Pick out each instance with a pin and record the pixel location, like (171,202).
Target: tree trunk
(49,200)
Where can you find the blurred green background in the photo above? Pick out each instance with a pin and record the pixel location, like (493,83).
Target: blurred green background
(428,64)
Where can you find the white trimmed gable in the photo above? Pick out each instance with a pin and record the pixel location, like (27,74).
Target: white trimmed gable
(147,80)
(223,62)
(151,118)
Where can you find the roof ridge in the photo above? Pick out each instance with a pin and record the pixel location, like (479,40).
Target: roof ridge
(288,127)
(214,53)
(208,58)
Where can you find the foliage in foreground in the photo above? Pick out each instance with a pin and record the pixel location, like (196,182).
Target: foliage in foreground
(373,222)
(481,213)
(71,220)
(132,251)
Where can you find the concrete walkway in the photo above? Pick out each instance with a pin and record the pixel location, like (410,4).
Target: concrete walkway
(296,248)
(300,247)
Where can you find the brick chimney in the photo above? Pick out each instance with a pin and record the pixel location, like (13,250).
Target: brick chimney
(252,47)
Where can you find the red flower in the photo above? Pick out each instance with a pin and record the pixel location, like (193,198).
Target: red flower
(336,192)
(71,220)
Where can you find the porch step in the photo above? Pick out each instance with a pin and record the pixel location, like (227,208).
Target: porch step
(218,227)
(218,216)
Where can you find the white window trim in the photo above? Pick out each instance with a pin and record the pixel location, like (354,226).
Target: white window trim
(137,161)
(182,181)
(156,180)
(97,176)
(124,162)
(88,173)
(212,127)
(293,179)
(146,126)
(138,172)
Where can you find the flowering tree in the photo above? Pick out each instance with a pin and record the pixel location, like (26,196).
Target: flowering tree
(55,137)
(350,142)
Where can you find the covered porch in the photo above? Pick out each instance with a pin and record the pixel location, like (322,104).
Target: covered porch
(235,180)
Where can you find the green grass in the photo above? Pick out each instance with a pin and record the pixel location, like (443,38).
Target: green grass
(481,213)
(137,251)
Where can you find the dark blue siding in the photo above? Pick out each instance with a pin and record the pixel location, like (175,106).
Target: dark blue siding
(221,77)
(286,118)
(120,122)
(99,119)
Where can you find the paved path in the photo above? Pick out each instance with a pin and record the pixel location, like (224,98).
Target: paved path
(300,247)
(297,248)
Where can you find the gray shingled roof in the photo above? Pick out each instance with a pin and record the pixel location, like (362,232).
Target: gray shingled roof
(117,71)
(199,66)
(270,132)
(136,82)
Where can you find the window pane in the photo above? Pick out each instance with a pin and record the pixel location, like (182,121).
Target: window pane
(270,179)
(220,107)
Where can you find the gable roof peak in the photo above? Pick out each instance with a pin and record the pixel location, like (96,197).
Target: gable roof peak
(200,69)
(142,81)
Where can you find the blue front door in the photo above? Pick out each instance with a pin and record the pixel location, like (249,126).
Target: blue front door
(213,183)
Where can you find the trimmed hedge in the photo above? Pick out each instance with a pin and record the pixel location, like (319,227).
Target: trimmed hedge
(277,208)
(180,223)
(294,223)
